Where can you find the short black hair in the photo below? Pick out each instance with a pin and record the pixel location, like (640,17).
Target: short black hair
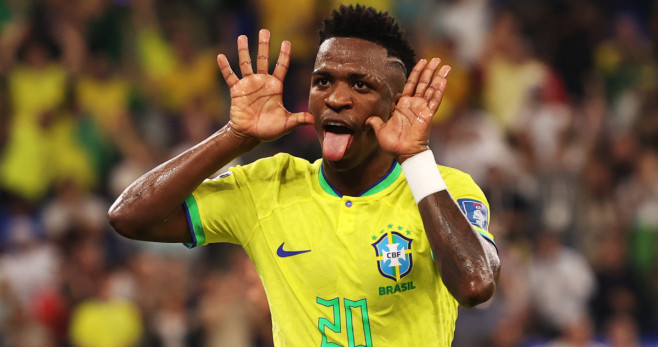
(369,24)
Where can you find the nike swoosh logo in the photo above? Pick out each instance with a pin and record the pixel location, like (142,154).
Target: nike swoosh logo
(282,253)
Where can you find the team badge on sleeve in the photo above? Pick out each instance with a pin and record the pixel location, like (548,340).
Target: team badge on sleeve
(394,257)
(476,212)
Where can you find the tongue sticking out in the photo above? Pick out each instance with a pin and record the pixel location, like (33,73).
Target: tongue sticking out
(335,145)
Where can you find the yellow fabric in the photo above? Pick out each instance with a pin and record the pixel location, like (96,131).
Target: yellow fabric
(508,87)
(336,291)
(155,55)
(381,5)
(607,57)
(104,100)
(23,165)
(276,17)
(33,91)
(179,84)
(23,168)
(67,159)
(115,323)
(197,80)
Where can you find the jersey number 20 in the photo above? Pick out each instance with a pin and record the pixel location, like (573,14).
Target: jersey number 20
(335,326)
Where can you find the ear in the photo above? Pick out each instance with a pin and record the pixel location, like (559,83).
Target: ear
(393,105)
(397,98)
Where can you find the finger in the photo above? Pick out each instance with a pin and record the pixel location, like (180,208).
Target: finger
(301,118)
(375,123)
(426,76)
(226,70)
(243,56)
(444,71)
(263,59)
(412,81)
(438,83)
(436,99)
(281,68)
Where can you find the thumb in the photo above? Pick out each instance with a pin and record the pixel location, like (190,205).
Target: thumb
(376,123)
(301,118)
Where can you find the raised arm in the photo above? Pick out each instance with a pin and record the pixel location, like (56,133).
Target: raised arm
(151,208)
(469,264)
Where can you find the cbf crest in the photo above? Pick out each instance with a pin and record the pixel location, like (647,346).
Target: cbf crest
(393,250)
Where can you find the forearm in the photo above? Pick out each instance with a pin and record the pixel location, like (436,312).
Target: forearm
(154,197)
(467,268)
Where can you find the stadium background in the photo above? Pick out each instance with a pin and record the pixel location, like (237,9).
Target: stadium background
(552,106)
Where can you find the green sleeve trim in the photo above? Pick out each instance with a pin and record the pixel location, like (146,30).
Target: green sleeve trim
(487,235)
(194,222)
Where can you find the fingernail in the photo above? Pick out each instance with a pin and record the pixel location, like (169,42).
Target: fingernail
(447,72)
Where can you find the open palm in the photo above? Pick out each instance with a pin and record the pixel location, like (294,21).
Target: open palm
(406,133)
(256,99)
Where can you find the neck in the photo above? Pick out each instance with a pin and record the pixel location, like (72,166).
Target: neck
(355,180)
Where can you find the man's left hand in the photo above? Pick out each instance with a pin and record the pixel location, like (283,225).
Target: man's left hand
(407,132)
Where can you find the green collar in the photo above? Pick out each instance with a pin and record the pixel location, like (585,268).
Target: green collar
(383,183)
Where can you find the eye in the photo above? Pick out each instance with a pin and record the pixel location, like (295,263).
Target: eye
(361,85)
(321,81)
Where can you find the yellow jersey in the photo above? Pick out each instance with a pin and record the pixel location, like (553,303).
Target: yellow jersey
(337,270)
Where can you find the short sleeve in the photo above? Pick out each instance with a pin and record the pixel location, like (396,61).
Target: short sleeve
(221,209)
(470,199)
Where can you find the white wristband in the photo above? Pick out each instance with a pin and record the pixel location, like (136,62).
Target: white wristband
(423,175)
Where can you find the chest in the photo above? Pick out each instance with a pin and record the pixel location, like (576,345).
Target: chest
(345,245)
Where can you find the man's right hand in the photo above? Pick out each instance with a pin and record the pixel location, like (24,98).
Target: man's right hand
(256,99)
(151,208)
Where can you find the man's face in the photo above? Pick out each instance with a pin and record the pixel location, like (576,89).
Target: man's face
(353,79)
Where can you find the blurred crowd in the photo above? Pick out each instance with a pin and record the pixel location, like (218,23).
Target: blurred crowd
(552,107)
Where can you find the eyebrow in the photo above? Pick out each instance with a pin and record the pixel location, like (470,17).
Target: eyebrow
(351,75)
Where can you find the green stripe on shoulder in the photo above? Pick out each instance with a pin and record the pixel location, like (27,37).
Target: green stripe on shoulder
(194,220)
(485,234)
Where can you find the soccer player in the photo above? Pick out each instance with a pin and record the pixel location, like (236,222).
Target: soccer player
(374,244)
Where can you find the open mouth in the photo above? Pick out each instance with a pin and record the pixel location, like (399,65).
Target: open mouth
(337,128)
(337,140)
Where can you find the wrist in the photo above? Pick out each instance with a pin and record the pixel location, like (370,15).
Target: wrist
(404,157)
(240,141)
(239,136)
(422,174)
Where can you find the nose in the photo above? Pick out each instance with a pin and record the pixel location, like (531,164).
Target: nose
(339,98)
